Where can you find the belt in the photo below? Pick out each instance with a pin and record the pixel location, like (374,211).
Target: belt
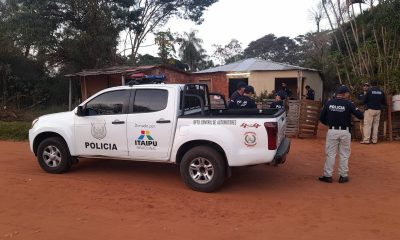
(339,128)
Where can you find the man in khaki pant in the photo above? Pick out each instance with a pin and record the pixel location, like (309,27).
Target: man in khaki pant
(336,114)
(374,101)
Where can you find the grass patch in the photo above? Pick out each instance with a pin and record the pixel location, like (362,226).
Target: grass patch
(14,130)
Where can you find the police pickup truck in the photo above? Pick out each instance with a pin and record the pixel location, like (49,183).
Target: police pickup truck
(171,123)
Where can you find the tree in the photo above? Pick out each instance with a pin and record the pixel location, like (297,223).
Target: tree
(229,53)
(367,44)
(165,41)
(145,16)
(191,50)
(278,49)
(317,14)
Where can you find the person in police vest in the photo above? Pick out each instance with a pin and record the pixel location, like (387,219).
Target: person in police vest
(247,99)
(336,114)
(374,101)
(284,92)
(239,92)
(278,102)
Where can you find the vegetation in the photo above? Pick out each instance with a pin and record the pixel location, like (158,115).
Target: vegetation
(191,51)
(14,130)
(41,41)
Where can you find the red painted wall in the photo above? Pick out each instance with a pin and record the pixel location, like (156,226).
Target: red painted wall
(92,84)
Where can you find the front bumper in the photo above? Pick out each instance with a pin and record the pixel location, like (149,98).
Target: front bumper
(281,153)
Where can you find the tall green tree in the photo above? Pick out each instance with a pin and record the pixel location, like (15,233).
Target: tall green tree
(279,49)
(228,53)
(191,50)
(145,16)
(165,41)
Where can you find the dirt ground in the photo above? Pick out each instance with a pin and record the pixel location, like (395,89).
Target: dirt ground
(106,199)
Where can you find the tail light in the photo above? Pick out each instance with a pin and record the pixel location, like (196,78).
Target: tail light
(272,132)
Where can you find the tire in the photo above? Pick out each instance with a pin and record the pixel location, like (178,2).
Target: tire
(53,155)
(203,169)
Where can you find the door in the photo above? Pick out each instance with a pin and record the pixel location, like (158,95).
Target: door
(151,123)
(291,84)
(102,131)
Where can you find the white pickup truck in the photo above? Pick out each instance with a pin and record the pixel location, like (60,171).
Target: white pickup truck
(172,123)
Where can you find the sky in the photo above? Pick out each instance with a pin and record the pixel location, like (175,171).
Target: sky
(246,21)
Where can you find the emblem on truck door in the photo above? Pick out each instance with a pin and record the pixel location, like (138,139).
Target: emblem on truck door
(145,141)
(99,130)
(250,139)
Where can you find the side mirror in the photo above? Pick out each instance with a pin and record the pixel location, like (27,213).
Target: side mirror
(80,111)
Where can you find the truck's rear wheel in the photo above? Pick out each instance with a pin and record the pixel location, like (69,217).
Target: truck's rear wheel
(53,155)
(203,169)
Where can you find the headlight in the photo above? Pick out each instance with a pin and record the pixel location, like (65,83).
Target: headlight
(34,122)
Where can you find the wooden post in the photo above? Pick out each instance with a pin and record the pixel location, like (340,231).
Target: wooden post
(389,110)
(123,79)
(70,94)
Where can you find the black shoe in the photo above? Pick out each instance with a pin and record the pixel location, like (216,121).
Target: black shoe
(325,179)
(343,179)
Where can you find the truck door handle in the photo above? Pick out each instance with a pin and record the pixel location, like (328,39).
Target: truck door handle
(118,122)
(163,121)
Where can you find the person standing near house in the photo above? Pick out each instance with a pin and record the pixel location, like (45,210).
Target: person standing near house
(246,100)
(362,95)
(310,95)
(374,100)
(336,114)
(239,92)
(284,92)
(278,103)
(360,104)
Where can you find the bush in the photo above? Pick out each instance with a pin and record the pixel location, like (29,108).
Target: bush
(14,130)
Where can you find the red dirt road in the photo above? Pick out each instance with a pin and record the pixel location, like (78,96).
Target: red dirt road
(105,199)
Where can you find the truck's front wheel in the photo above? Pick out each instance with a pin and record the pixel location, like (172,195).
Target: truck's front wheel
(53,155)
(203,169)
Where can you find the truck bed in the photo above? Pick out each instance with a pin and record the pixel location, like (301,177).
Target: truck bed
(237,113)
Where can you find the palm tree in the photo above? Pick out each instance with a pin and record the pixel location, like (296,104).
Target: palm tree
(191,50)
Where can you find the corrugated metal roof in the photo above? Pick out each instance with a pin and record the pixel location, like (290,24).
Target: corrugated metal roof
(110,70)
(254,64)
(119,70)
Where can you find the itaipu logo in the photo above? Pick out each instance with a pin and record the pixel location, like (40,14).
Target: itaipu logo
(145,139)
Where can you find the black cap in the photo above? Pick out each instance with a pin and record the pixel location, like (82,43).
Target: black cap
(342,89)
(241,85)
(366,84)
(248,89)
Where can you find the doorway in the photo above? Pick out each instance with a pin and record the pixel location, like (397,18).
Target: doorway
(291,84)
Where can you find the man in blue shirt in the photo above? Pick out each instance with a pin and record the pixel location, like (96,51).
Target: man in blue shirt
(278,103)
(284,92)
(374,101)
(310,93)
(246,100)
(336,114)
(239,92)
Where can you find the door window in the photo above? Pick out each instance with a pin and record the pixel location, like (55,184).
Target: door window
(150,100)
(109,103)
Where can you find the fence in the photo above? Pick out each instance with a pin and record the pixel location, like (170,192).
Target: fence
(302,118)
